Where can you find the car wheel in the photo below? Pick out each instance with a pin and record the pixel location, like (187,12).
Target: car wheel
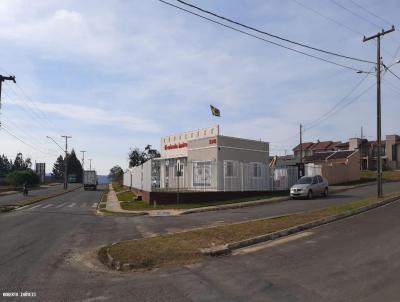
(309,195)
(326,192)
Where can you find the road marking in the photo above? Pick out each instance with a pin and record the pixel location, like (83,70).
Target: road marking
(48,206)
(72,205)
(60,205)
(263,245)
(21,208)
(35,206)
(94,205)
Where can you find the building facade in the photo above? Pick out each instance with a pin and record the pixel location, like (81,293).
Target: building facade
(205,160)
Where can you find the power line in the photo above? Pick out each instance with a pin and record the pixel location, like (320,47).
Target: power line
(309,124)
(50,122)
(388,69)
(35,117)
(26,96)
(273,35)
(354,14)
(260,38)
(344,106)
(22,141)
(25,135)
(334,21)
(371,13)
(327,17)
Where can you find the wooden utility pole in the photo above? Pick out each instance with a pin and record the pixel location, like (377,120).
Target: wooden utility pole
(378,103)
(301,144)
(66,161)
(2,79)
(83,160)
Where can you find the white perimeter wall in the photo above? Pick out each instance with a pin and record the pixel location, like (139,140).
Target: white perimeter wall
(139,177)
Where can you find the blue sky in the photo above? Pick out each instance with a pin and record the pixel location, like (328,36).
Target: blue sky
(120,74)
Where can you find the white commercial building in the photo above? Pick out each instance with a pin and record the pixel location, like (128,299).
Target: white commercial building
(204,160)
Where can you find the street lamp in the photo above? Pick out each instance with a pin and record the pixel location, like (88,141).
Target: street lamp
(65,159)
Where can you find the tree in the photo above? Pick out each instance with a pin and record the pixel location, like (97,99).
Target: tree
(20,163)
(116,173)
(5,165)
(18,178)
(59,167)
(74,166)
(138,157)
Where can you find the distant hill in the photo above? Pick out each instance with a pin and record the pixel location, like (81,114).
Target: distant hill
(103,179)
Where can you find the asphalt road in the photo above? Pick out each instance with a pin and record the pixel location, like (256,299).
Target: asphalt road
(12,198)
(50,248)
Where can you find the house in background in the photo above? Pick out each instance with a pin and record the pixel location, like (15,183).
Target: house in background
(336,166)
(311,148)
(390,152)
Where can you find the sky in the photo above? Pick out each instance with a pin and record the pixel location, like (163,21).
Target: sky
(116,75)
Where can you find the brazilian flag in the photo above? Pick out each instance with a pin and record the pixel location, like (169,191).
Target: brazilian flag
(215,111)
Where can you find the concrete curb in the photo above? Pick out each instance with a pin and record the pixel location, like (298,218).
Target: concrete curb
(15,206)
(235,205)
(117,265)
(226,249)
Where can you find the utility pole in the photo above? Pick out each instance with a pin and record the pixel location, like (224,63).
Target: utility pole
(90,164)
(2,79)
(361,150)
(301,170)
(83,160)
(378,103)
(66,161)
(301,144)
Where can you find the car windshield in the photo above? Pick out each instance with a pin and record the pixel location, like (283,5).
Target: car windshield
(305,180)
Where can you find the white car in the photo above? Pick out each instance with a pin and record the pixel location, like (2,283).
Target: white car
(309,186)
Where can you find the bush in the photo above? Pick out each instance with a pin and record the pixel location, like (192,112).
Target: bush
(18,178)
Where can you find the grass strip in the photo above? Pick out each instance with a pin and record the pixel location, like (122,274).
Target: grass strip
(386,175)
(118,187)
(183,248)
(142,205)
(125,196)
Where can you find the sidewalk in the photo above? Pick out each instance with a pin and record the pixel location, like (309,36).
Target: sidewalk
(113,204)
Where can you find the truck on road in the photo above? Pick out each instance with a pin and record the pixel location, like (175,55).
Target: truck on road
(89,180)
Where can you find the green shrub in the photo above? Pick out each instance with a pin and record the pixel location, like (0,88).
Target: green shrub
(18,178)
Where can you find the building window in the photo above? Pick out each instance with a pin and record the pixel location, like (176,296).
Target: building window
(394,152)
(202,174)
(212,130)
(191,135)
(185,136)
(198,133)
(231,168)
(205,132)
(255,170)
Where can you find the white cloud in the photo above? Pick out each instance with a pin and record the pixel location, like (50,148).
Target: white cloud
(97,116)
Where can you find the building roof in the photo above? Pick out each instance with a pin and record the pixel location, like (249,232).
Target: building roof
(323,156)
(342,145)
(341,154)
(305,146)
(322,145)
